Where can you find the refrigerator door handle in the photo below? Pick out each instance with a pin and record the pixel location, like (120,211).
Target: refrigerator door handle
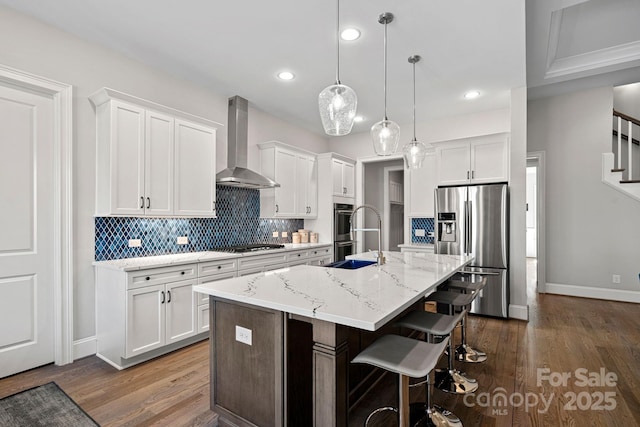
(470,227)
(465,249)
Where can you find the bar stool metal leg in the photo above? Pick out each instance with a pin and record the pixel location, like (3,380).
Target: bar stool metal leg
(464,352)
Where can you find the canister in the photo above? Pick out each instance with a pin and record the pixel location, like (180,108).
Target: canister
(313,237)
(295,237)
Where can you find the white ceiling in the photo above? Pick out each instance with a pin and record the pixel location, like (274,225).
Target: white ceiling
(237,47)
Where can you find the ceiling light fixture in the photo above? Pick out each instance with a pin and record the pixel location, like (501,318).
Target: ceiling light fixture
(337,103)
(414,152)
(286,75)
(350,34)
(385,133)
(471,94)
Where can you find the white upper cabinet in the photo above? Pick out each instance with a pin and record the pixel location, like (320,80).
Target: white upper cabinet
(473,161)
(343,178)
(152,160)
(297,173)
(420,185)
(195,170)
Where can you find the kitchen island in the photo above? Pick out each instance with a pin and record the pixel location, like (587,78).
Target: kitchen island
(280,341)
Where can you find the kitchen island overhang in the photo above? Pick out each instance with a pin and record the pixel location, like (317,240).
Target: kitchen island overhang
(269,306)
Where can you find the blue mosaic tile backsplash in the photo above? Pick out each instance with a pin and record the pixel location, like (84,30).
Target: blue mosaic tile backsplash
(238,223)
(426,224)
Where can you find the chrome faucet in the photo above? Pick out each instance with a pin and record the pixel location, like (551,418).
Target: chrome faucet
(380,256)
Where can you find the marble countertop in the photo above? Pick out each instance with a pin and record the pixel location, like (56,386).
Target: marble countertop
(140,263)
(365,298)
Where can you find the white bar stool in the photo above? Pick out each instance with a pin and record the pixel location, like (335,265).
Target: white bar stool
(408,358)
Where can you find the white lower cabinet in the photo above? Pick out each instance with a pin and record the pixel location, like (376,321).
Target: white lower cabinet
(145,313)
(211,271)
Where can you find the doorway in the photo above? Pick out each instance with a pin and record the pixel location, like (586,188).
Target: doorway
(36,233)
(372,181)
(535,211)
(393,207)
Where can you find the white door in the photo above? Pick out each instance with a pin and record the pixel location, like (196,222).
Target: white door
(26,231)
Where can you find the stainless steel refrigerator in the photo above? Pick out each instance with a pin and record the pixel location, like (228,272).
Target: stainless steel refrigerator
(474,220)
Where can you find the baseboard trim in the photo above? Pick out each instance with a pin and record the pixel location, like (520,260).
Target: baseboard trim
(85,347)
(596,293)
(520,312)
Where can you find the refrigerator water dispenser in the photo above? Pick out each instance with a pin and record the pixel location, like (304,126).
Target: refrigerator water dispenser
(447,227)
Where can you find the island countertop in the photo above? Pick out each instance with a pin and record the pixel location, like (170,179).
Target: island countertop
(365,298)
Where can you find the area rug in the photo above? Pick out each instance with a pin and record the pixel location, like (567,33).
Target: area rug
(45,405)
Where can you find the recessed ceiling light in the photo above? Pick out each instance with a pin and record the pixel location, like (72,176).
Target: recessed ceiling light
(285,75)
(350,34)
(358,119)
(471,94)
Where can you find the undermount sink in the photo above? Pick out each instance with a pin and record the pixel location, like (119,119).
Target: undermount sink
(350,264)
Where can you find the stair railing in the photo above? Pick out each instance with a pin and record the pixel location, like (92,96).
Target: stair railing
(630,121)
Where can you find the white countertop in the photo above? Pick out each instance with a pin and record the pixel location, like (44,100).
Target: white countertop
(365,298)
(417,245)
(131,264)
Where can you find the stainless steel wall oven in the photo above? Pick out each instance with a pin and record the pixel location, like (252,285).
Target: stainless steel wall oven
(342,244)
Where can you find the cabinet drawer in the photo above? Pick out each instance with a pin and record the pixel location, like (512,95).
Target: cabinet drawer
(261,261)
(320,252)
(260,269)
(204,298)
(211,268)
(157,276)
(295,256)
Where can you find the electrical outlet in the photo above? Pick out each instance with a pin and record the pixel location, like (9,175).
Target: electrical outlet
(183,240)
(243,335)
(135,243)
(285,234)
(616,278)
(274,234)
(420,232)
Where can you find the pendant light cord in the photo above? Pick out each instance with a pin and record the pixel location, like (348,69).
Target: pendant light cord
(414,101)
(385,70)
(338,42)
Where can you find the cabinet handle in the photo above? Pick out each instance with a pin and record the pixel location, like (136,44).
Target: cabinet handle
(147,278)
(299,254)
(473,174)
(141,202)
(344,190)
(277,208)
(168,297)
(467,174)
(219,267)
(182,273)
(148,202)
(162,300)
(214,206)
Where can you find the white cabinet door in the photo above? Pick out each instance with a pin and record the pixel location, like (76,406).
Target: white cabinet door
(285,173)
(180,306)
(489,161)
(344,178)
(306,186)
(336,171)
(126,158)
(421,183)
(145,328)
(312,186)
(349,179)
(195,170)
(158,167)
(302,178)
(453,163)
(203,318)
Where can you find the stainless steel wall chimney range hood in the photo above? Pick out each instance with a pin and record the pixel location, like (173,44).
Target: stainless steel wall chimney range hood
(236,174)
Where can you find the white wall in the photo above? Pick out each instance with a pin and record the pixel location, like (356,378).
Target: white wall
(37,48)
(592,230)
(358,144)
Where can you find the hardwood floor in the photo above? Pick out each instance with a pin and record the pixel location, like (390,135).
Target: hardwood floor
(564,334)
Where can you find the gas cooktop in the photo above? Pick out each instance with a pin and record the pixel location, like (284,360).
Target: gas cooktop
(249,248)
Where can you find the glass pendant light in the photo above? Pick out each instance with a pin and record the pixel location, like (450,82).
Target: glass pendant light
(414,152)
(337,103)
(385,133)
